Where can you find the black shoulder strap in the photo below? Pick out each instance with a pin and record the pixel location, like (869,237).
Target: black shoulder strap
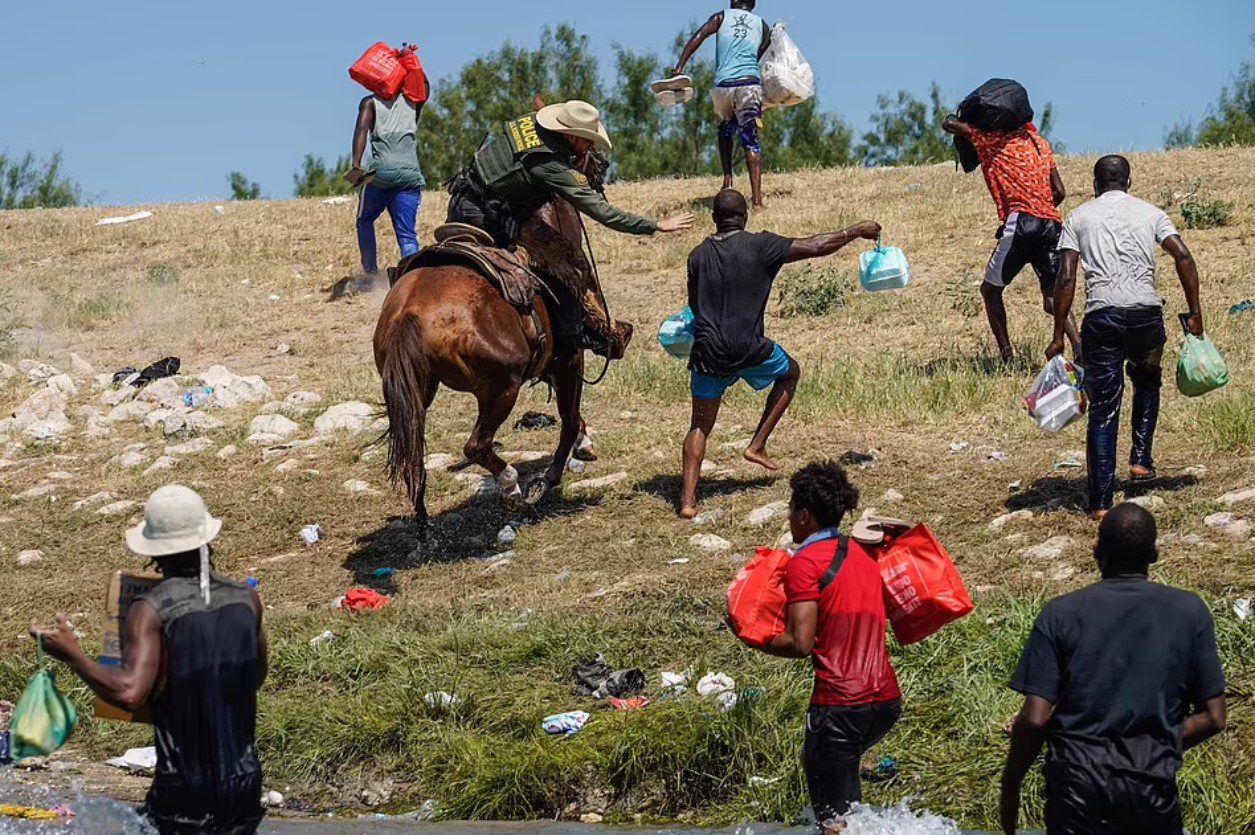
(843,550)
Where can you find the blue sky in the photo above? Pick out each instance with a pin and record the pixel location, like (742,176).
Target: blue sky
(155,100)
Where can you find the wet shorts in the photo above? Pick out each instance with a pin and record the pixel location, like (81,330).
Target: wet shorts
(1026,240)
(708,387)
(740,112)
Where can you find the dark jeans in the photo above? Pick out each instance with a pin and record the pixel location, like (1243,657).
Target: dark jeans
(1113,338)
(231,807)
(1084,803)
(836,740)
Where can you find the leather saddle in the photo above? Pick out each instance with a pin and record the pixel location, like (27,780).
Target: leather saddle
(464,245)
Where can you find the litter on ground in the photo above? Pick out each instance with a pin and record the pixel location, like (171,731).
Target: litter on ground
(135,759)
(117,221)
(566,724)
(311,535)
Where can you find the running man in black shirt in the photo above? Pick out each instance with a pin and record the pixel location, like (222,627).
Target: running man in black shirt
(729,282)
(195,654)
(1119,679)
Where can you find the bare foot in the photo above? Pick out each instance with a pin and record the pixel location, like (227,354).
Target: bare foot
(762,459)
(1098,515)
(689,511)
(760,207)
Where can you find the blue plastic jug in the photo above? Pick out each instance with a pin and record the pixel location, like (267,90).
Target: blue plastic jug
(884,268)
(676,334)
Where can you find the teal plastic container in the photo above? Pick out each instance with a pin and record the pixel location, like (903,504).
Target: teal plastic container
(676,334)
(884,268)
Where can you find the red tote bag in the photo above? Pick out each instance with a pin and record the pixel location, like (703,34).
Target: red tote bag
(380,71)
(757,600)
(923,589)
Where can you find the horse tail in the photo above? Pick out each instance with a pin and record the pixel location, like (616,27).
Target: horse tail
(406,379)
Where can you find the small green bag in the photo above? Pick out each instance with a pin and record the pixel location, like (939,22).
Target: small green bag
(1201,368)
(43,719)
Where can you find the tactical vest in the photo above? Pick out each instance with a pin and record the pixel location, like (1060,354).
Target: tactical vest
(500,161)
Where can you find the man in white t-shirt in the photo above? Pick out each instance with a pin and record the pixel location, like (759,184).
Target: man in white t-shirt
(1116,236)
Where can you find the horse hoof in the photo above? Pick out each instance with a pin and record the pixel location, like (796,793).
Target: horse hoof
(536,490)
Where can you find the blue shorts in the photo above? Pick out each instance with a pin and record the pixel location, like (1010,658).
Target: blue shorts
(707,387)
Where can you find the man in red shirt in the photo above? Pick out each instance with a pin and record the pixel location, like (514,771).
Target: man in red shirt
(1019,168)
(836,617)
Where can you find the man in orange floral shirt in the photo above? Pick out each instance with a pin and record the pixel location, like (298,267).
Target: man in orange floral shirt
(1019,168)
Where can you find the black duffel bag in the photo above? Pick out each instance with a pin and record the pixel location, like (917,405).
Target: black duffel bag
(999,104)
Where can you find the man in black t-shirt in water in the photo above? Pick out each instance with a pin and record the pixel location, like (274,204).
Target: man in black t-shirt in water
(729,282)
(1119,679)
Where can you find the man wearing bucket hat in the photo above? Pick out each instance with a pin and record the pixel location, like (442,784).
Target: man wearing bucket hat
(528,162)
(194,653)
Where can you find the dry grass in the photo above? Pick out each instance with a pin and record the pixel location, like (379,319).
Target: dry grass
(899,372)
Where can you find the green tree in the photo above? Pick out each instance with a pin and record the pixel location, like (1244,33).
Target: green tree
(907,131)
(242,188)
(26,183)
(1230,121)
(805,137)
(316,179)
(498,87)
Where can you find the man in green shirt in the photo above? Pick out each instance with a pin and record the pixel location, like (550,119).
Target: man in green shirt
(522,167)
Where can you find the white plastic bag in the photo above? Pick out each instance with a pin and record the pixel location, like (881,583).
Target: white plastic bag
(1056,398)
(787,76)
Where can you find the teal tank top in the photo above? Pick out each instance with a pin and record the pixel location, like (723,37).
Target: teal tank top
(394,144)
(740,37)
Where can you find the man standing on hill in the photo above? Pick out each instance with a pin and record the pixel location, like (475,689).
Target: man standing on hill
(741,40)
(395,181)
(195,654)
(1019,168)
(836,617)
(730,276)
(1116,236)
(1119,680)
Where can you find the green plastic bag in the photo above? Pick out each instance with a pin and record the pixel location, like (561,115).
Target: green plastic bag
(1201,368)
(43,720)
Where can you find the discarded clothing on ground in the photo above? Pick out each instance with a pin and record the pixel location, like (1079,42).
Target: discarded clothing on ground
(536,420)
(360,600)
(567,724)
(597,679)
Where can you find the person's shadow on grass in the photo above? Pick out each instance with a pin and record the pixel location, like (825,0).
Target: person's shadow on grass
(667,487)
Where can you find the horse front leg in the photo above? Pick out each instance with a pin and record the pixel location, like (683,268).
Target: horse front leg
(568,384)
(494,409)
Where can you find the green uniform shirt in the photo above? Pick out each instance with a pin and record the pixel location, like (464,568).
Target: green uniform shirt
(528,165)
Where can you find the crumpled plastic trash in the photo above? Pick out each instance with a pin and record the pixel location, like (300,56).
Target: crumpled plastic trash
(327,637)
(441,699)
(117,221)
(507,535)
(1242,608)
(1056,398)
(360,600)
(339,200)
(535,420)
(136,759)
(675,683)
(567,724)
(715,683)
(311,535)
(726,700)
(597,679)
(629,704)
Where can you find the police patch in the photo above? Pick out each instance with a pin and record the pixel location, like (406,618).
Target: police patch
(579,178)
(523,134)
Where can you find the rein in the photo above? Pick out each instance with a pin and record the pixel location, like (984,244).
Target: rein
(601,296)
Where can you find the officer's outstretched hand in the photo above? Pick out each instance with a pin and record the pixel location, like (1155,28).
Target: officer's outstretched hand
(679,223)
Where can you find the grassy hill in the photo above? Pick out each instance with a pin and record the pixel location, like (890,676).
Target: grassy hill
(346,725)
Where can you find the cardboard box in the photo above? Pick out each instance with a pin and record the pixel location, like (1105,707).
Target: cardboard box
(125,587)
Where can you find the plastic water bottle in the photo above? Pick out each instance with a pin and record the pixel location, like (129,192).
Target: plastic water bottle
(195,398)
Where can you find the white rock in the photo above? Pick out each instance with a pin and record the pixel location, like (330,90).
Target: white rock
(40,405)
(288,466)
(737,446)
(263,439)
(304,399)
(576,466)
(507,535)
(276,425)
(710,542)
(1007,518)
(709,467)
(50,427)
(63,384)
(272,800)
(81,367)
(1230,526)
(479,485)
(380,425)
(60,475)
(227,451)
(36,492)
(761,516)
(37,372)
(353,417)
(7,372)
(355,486)
(1061,572)
(1051,549)
(785,542)
(192,447)
(166,392)
(117,508)
(29,558)
(439,461)
(709,517)
(158,417)
(162,464)
(1237,497)
(97,428)
(1151,503)
(198,422)
(118,396)
(892,496)
(130,460)
(598,483)
(527,456)
(92,500)
(230,389)
(134,410)
(1198,471)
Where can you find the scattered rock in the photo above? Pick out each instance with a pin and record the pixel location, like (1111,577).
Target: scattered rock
(230,389)
(737,446)
(597,483)
(227,451)
(117,508)
(130,460)
(530,456)
(118,396)
(439,461)
(576,466)
(162,464)
(192,447)
(479,485)
(37,372)
(7,372)
(1198,472)
(288,466)
(357,487)
(1237,497)
(1229,525)
(1061,572)
(709,517)
(591,819)
(1151,503)
(710,542)
(134,410)
(63,384)
(1051,549)
(785,542)
(272,800)
(36,492)
(892,496)
(48,428)
(761,516)
(303,399)
(1007,518)
(81,367)
(507,536)
(708,467)
(274,426)
(60,475)
(29,558)
(354,417)
(93,500)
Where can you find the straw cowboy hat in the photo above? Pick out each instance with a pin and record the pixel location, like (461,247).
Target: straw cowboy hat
(575,118)
(175,521)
